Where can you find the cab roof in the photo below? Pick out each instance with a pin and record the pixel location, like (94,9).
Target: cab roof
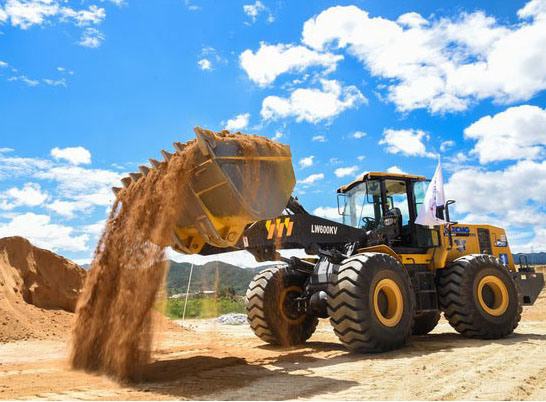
(378,175)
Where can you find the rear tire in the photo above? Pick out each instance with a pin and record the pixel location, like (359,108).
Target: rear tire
(426,322)
(370,303)
(479,297)
(269,308)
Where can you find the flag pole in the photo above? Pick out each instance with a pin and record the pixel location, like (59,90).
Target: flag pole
(187,295)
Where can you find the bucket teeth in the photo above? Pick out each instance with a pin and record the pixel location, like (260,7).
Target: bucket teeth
(179,146)
(135,176)
(116,190)
(155,163)
(166,155)
(144,170)
(126,181)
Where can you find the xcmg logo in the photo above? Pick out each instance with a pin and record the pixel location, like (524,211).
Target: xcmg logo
(278,227)
(458,231)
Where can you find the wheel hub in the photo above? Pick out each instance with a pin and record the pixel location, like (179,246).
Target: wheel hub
(289,304)
(493,295)
(388,302)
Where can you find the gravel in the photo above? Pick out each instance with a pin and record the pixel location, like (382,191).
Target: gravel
(232,319)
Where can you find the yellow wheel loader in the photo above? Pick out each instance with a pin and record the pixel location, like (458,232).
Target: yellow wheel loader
(377,275)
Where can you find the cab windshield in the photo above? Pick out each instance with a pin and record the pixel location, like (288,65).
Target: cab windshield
(364,207)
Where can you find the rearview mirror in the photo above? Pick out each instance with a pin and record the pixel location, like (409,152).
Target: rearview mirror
(448,203)
(340,209)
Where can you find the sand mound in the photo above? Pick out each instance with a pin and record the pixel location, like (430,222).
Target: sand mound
(38,290)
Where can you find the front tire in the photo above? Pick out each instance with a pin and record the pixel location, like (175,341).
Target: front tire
(270,307)
(479,297)
(370,303)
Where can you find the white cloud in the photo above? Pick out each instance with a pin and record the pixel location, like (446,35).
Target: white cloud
(26,13)
(512,197)
(118,3)
(445,145)
(359,134)
(459,157)
(30,195)
(395,169)
(361,157)
(307,161)
(239,122)
(205,64)
(254,10)
(311,179)
(41,232)
(313,105)
(498,191)
(407,142)
(75,188)
(80,184)
(68,209)
(23,78)
(327,212)
(319,138)
(91,16)
(55,83)
(278,135)
(443,64)
(14,167)
(74,155)
(346,171)
(91,38)
(516,133)
(3,64)
(95,228)
(270,61)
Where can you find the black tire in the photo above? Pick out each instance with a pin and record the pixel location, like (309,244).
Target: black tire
(426,322)
(268,307)
(359,308)
(466,310)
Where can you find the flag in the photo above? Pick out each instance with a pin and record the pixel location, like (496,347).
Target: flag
(434,198)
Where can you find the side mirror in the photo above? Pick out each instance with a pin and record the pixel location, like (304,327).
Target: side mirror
(339,207)
(448,203)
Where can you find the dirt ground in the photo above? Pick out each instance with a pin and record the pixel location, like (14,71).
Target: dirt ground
(212,361)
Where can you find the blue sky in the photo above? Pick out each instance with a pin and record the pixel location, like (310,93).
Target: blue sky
(91,89)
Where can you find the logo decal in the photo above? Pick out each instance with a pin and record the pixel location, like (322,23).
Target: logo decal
(278,227)
(458,231)
(323,229)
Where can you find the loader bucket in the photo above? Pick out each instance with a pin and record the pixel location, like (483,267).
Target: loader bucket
(234,180)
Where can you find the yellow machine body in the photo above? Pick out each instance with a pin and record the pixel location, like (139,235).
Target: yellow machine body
(465,240)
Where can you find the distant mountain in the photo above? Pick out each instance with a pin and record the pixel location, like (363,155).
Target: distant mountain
(214,275)
(532,258)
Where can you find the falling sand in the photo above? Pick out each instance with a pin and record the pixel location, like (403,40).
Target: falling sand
(114,329)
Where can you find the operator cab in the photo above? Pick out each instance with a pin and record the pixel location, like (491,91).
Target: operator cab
(385,206)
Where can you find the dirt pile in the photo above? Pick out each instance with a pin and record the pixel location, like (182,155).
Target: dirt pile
(38,289)
(114,328)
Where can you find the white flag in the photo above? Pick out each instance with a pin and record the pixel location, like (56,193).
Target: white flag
(433,198)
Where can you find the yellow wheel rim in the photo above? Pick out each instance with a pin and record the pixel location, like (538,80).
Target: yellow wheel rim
(290,319)
(493,295)
(388,302)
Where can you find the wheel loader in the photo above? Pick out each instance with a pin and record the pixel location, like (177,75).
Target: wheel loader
(377,275)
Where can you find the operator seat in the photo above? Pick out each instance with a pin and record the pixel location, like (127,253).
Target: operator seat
(396,214)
